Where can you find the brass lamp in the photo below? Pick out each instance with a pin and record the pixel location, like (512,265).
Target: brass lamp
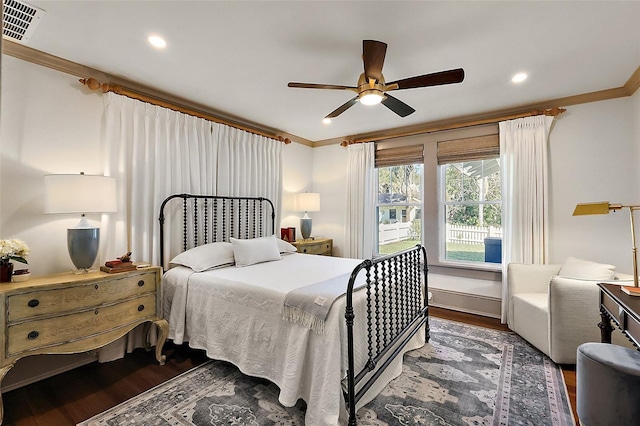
(604,208)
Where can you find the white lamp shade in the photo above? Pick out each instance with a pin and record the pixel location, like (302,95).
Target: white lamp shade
(307,202)
(79,194)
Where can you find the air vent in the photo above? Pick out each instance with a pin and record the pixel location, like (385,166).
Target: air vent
(20,20)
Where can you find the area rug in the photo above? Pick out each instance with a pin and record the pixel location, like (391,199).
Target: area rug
(465,375)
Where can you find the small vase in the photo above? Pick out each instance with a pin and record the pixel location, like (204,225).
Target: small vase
(6,270)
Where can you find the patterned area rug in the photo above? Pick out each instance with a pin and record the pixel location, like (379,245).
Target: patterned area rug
(466,375)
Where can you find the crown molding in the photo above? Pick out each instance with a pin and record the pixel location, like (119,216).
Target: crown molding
(46,60)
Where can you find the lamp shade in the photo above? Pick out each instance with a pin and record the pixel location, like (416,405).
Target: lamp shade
(595,208)
(79,194)
(307,202)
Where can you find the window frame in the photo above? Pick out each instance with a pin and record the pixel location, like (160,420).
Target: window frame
(403,206)
(442,224)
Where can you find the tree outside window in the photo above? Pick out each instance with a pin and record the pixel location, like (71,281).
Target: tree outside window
(472,211)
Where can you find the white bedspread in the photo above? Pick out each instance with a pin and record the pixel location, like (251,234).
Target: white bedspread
(235,314)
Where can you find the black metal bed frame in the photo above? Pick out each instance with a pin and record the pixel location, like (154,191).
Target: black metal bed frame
(395,285)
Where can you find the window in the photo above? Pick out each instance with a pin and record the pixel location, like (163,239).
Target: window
(399,207)
(472,211)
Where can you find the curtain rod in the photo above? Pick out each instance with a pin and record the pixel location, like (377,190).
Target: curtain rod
(551,111)
(94,84)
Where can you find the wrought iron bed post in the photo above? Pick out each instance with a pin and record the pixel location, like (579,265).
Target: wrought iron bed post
(420,316)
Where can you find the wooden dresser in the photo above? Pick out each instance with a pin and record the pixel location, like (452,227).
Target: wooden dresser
(68,313)
(321,246)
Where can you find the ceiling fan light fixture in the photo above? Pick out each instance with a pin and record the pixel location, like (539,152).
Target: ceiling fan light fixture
(371,97)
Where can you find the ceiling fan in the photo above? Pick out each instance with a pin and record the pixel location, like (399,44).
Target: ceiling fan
(372,89)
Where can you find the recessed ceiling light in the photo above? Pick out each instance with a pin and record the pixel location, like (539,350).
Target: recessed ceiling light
(157,42)
(519,77)
(326,120)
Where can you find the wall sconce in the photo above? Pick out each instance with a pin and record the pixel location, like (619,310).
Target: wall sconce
(81,194)
(604,208)
(307,202)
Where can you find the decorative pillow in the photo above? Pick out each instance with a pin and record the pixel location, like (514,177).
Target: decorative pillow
(255,250)
(284,247)
(586,270)
(207,256)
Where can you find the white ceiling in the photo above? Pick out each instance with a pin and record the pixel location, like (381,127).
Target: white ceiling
(237,57)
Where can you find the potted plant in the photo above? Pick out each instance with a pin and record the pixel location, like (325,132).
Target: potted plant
(10,250)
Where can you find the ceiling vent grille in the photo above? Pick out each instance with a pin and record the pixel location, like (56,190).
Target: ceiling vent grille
(19,20)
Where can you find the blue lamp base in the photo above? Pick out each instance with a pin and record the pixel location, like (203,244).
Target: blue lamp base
(83,245)
(305,227)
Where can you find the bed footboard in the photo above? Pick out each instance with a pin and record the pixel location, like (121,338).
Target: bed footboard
(396,308)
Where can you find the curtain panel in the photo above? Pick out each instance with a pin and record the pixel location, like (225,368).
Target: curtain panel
(525,204)
(154,152)
(360,226)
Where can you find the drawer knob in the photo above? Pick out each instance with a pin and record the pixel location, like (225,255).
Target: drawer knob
(33,335)
(95,312)
(33,303)
(96,286)
(140,308)
(140,283)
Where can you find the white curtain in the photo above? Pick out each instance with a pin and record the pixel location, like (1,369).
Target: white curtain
(249,165)
(524,162)
(152,152)
(360,227)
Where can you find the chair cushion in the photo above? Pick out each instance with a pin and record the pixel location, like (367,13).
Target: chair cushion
(586,270)
(532,320)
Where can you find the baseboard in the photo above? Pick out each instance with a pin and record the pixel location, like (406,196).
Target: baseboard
(32,369)
(466,302)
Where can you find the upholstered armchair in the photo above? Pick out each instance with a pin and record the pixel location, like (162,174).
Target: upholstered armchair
(556,307)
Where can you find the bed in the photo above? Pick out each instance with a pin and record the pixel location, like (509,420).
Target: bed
(329,331)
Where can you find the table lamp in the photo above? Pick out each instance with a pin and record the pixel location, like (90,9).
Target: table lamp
(81,194)
(307,202)
(604,208)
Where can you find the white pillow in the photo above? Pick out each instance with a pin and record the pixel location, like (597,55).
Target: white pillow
(206,256)
(586,270)
(255,250)
(285,247)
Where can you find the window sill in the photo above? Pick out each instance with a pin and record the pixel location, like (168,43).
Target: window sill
(475,266)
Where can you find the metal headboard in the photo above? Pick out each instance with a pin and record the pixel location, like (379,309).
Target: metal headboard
(210,218)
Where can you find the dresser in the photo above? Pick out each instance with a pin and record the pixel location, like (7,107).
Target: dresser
(320,246)
(69,313)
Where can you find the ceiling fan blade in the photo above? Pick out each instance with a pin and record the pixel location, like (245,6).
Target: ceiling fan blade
(435,79)
(373,53)
(397,106)
(342,108)
(320,86)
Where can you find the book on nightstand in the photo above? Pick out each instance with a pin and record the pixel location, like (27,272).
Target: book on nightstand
(631,291)
(113,267)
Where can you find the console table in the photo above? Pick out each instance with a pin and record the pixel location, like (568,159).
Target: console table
(623,309)
(67,313)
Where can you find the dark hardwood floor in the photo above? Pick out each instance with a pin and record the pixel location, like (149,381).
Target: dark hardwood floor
(76,395)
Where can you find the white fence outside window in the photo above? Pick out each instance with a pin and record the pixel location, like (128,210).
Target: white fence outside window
(464,234)
(393,232)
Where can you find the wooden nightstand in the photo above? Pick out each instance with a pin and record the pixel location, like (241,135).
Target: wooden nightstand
(68,313)
(321,246)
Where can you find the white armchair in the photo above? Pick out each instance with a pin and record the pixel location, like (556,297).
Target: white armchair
(554,313)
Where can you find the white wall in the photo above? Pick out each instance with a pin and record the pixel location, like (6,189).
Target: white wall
(329,179)
(49,125)
(52,124)
(594,153)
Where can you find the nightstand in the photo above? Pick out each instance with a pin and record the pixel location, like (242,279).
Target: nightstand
(69,313)
(320,246)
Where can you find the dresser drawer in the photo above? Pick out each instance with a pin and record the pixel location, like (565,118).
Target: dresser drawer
(322,248)
(66,299)
(66,328)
